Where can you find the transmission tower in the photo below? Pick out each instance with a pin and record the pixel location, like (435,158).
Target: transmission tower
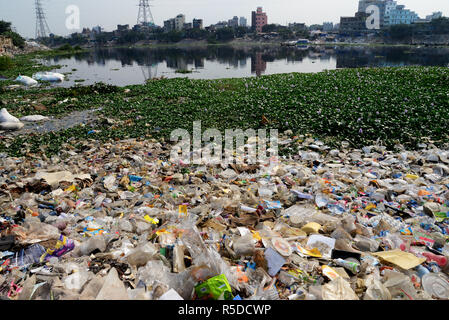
(42,29)
(145,16)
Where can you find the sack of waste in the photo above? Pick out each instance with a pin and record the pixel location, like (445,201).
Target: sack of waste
(33,118)
(26,81)
(9,122)
(48,76)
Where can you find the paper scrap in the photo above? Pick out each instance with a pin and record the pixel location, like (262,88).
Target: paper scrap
(400,258)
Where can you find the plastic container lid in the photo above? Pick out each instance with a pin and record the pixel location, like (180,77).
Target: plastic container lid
(436,285)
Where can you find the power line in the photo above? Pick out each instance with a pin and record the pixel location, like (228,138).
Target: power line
(42,29)
(145,16)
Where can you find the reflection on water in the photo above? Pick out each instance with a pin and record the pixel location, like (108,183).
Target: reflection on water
(123,66)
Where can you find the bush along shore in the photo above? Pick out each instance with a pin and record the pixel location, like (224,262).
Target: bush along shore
(406,105)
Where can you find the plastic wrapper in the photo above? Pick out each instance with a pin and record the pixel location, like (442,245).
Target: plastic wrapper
(400,286)
(142,254)
(376,290)
(244,246)
(338,289)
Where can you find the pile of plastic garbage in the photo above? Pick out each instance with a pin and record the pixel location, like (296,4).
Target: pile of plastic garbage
(120,221)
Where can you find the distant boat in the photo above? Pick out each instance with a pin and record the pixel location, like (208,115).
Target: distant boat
(289,43)
(294,43)
(302,42)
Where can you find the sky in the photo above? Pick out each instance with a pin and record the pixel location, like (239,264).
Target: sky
(109,13)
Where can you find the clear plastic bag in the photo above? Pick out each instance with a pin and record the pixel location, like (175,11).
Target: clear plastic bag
(141,255)
(400,286)
(244,246)
(375,290)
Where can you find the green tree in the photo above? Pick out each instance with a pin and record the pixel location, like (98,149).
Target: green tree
(304,34)
(269,28)
(5,63)
(101,38)
(175,36)
(17,40)
(196,33)
(440,26)
(225,34)
(77,39)
(241,31)
(5,30)
(400,31)
(286,33)
(4,26)
(66,47)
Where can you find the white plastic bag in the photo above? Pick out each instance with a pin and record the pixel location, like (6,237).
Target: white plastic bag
(376,290)
(11,125)
(5,116)
(33,118)
(26,81)
(338,289)
(48,76)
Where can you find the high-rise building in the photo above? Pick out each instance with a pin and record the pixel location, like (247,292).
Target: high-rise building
(435,15)
(169,25)
(197,23)
(243,22)
(380,4)
(297,26)
(400,15)
(397,14)
(96,29)
(364,4)
(390,12)
(259,19)
(354,25)
(328,26)
(179,22)
(124,27)
(234,22)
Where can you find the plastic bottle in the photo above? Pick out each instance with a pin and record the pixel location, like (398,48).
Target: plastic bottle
(349,265)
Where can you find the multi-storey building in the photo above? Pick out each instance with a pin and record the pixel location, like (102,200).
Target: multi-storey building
(243,22)
(169,25)
(179,22)
(197,23)
(435,15)
(399,15)
(234,22)
(259,19)
(328,26)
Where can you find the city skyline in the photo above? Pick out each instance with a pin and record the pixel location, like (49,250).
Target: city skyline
(22,15)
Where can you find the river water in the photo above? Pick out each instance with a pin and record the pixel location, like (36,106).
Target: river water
(125,66)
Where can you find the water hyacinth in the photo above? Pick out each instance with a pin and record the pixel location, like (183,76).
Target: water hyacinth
(361,106)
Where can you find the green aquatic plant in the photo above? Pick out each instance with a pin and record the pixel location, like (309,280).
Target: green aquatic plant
(404,105)
(183,71)
(6,63)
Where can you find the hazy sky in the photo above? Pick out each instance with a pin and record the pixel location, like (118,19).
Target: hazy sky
(109,13)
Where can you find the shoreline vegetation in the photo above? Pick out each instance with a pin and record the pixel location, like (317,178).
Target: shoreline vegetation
(400,105)
(25,60)
(29,63)
(187,44)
